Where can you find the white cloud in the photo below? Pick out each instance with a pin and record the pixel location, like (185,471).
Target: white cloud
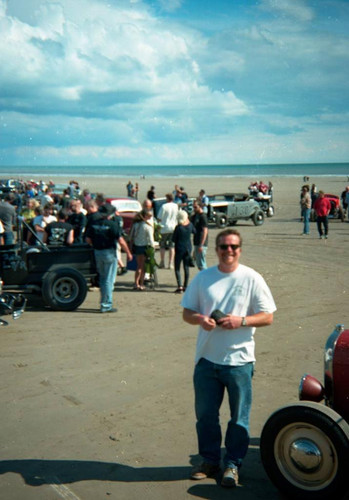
(297,9)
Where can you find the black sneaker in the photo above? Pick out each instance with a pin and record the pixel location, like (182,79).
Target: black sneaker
(204,471)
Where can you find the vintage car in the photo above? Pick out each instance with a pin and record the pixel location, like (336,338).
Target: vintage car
(305,446)
(11,304)
(336,212)
(227,208)
(127,208)
(60,274)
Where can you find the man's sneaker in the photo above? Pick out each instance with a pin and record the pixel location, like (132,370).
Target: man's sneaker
(230,477)
(204,471)
(111,310)
(161,265)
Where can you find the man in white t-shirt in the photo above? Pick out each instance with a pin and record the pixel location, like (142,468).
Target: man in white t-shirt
(168,218)
(225,352)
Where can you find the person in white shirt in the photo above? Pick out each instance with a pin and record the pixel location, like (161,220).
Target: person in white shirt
(168,218)
(228,302)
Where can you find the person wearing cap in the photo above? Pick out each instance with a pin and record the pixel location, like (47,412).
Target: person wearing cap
(104,234)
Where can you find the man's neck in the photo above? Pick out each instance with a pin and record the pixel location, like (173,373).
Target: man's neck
(228,268)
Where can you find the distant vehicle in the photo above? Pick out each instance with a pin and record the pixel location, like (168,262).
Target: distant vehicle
(127,208)
(305,446)
(336,212)
(9,185)
(227,208)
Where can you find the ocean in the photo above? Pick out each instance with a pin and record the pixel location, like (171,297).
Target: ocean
(256,172)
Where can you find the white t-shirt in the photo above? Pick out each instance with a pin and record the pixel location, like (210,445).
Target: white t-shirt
(242,293)
(42,221)
(143,234)
(168,217)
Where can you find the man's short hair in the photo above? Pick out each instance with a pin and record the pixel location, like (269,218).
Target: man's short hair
(228,232)
(63,214)
(169,197)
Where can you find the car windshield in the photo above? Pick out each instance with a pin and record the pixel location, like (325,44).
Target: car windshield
(127,205)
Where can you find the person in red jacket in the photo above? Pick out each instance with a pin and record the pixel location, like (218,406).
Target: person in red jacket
(322,207)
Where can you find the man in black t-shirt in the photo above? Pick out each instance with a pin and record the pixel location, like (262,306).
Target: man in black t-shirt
(59,233)
(199,221)
(103,234)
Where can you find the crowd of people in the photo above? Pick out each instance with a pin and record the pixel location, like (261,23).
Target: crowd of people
(78,217)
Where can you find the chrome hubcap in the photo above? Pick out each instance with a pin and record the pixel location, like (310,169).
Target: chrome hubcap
(305,455)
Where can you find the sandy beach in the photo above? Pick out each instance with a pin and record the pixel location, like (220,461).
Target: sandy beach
(101,406)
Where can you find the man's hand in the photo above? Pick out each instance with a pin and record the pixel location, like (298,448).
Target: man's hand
(207,323)
(230,322)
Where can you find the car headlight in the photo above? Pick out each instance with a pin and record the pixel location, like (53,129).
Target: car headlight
(310,389)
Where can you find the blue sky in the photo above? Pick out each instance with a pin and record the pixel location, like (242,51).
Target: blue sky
(161,82)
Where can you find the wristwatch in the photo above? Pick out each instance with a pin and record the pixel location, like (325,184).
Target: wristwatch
(243,321)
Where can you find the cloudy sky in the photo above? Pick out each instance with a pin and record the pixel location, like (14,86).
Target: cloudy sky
(161,82)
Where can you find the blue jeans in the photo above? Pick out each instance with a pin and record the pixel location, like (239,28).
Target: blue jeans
(210,381)
(306,218)
(8,238)
(200,257)
(106,263)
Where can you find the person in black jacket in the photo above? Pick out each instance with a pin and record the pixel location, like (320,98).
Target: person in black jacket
(103,234)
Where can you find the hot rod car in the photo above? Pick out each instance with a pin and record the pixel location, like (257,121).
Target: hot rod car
(336,212)
(59,274)
(305,446)
(226,209)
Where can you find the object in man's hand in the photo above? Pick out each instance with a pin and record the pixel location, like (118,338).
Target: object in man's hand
(217,315)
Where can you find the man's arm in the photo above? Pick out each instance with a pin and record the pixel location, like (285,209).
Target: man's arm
(231,322)
(203,236)
(125,248)
(70,237)
(195,318)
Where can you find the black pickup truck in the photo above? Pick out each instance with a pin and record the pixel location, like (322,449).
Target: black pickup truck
(61,275)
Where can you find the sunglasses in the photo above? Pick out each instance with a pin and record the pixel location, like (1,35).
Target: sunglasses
(225,247)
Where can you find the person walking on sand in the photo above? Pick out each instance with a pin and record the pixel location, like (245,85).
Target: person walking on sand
(182,241)
(228,302)
(305,203)
(322,207)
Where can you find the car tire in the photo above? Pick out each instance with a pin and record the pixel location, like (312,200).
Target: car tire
(221,220)
(305,451)
(258,218)
(64,289)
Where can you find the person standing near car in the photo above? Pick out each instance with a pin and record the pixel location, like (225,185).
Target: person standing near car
(168,218)
(204,200)
(60,232)
(305,203)
(199,221)
(8,218)
(228,302)
(322,207)
(103,234)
